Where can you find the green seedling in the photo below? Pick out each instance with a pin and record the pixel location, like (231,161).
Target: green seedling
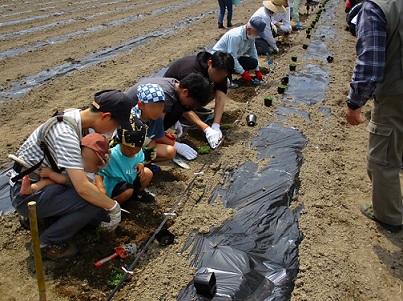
(205,149)
(114,278)
(226,126)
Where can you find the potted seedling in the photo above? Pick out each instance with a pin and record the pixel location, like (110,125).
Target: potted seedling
(305,46)
(268,101)
(293,67)
(281,89)
(308,31)
(148,151)
(285,80)
(294,58)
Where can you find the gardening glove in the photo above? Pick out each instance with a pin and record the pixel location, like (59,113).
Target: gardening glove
(213,135)
(259,75)
(185,150)
(178,129)
(115,218)
(246,76)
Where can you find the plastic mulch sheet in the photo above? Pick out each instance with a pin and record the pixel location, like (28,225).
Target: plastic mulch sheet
(254,255)
(5,201)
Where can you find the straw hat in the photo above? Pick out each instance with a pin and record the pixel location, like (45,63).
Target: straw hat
(275,6)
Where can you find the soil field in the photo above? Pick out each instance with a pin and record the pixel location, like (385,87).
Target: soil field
(343,256)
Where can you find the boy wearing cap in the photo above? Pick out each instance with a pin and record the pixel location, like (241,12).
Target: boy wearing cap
(265,43)
(239,41)
(177,97)
(74,207)
(94,153)
(125,177)
(216,68)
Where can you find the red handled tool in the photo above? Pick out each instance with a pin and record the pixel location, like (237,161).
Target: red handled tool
(123,251)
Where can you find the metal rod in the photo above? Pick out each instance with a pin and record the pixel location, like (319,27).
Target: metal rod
(37,251)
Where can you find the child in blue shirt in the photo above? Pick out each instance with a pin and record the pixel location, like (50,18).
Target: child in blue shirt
(125,177)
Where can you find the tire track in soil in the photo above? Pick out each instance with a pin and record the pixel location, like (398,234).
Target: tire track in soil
(15,68)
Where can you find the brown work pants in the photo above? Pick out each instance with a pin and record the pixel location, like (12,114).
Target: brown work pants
(385,150)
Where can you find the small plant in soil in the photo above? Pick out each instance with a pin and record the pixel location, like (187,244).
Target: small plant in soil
(281,89)
(293,67)
(114,278)
(226,126)
(284,80)
(205,149)
(305,46)
(294,58)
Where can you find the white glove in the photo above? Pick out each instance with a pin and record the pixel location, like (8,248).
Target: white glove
(115,216)
(185,150)
(213,135)
(178,129)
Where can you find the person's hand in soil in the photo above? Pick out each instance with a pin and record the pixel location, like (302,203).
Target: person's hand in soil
(115,218)
(353,117)
(246,77)
(213,135)
(185,150)
(259,75)
(140,171)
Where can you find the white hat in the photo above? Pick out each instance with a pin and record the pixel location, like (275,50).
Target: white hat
(275,6)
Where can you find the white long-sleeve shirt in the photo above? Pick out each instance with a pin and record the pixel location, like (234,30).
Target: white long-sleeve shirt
(267,34)
(284,19)
(236,43)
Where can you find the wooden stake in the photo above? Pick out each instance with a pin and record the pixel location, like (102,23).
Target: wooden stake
(37,251)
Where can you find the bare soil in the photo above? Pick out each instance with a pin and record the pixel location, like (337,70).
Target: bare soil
(343,255)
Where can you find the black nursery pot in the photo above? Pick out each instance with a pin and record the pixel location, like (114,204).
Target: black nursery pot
(294,58)
(305,46)
(205,284)
(285,80)
(164,237)
(330,59)
(147,153)
(292,67)
(280,90)
(308,36)
(268,101)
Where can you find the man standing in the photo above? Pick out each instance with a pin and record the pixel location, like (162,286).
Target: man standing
(216,68)
(73,207)
(379,73)
(266,43)
(239,41)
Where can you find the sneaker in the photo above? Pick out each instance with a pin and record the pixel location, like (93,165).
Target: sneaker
(144,197)
(153,167)
(220,25)
(57,251)
(24,222)
(368,211)
(229,24)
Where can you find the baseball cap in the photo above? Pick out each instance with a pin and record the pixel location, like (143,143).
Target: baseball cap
(116,103)
(97,143)
(150,93)
(257,23)
(134,137)
(275,6)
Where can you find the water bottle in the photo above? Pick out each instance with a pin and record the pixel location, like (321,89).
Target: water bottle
(269,61)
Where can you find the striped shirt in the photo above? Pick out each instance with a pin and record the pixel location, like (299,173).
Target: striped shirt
(63,143)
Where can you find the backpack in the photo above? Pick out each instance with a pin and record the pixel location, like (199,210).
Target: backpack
(57,117)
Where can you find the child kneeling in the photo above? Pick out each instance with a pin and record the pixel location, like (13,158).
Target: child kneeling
(125,177)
